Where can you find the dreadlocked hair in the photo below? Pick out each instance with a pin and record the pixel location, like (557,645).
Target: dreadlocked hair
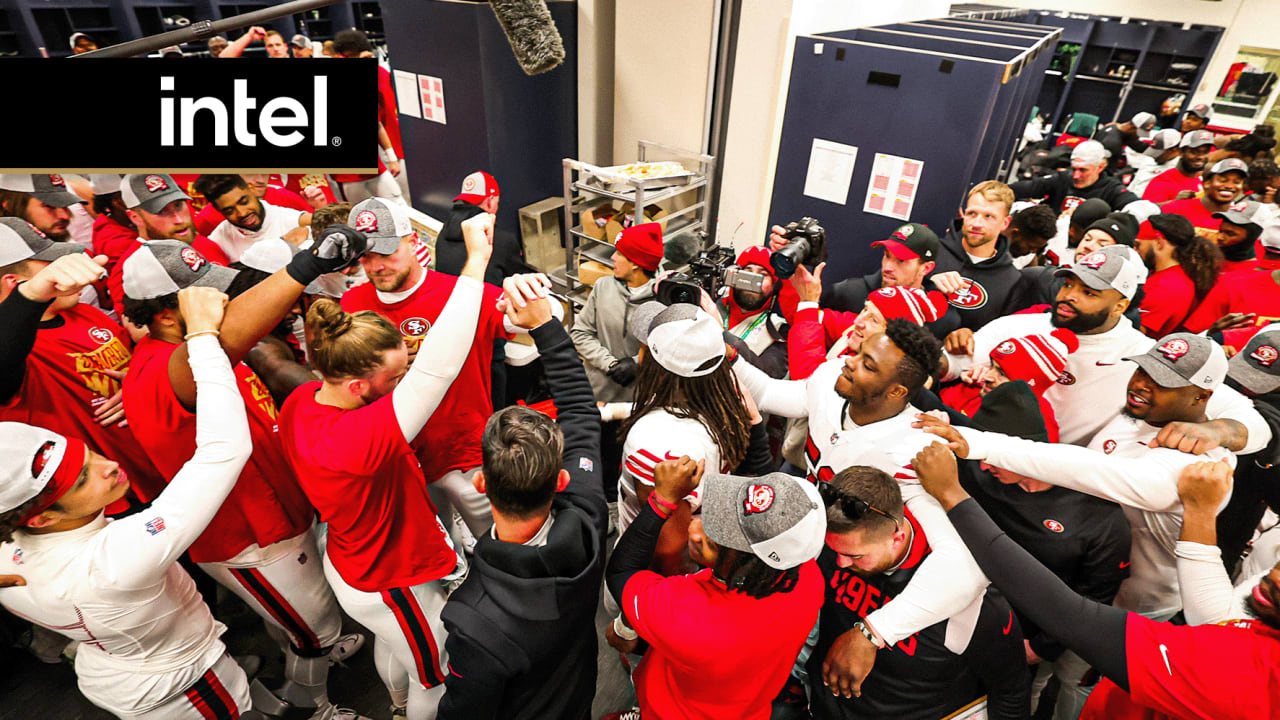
(1201,260)
(713,400)
(747,574)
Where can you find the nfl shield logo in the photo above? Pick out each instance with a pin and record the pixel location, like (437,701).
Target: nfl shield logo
(155,526)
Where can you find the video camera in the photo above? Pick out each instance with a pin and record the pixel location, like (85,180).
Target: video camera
(712,269)
(807,245)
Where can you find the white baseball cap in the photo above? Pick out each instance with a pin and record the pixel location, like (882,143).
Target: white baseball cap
(384,223)
(1145,122)
(105,184)
(685,340)
(1089,152)
(36,460)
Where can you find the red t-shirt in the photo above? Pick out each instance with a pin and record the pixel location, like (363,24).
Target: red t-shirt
(266,505)
(1206,672)
(64,384)
(365,481)
(115,276)
(714,653)
(1169,297)
(1192,209)
(1166,186)
(298,182)
(388,115)
(112,239)
(209,217)
(451,438)
(1245,292)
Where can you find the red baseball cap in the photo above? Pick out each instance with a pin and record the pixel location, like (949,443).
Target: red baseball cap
(478,187)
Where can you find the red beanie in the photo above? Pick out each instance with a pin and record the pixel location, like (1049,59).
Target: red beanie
(910,304)
(757,255)
(1037,359)
(642,245)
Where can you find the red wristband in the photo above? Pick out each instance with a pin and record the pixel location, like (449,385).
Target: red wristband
(662,507)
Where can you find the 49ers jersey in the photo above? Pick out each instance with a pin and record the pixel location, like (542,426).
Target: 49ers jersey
(65,382)
(266,505)
(656,437)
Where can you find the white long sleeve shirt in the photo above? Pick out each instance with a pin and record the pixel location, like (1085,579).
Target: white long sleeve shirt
(1091,392)
(948,580)
(1207,594)
(145,633)
(1120,467)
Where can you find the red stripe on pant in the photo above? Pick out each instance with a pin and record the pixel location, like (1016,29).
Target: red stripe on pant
(305,641)
(210,698)
(404,605)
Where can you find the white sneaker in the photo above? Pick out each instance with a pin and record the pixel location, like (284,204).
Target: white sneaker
(346,646)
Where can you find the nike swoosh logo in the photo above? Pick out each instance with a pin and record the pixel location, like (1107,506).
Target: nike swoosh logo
(1009,627)
(1104,364)
(671,456)
(1125,564)
(1164,652)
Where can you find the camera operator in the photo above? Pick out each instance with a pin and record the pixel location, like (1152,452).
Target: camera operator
(599,332)
(754,318)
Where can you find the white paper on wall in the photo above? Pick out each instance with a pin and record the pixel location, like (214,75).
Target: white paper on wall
(830,171)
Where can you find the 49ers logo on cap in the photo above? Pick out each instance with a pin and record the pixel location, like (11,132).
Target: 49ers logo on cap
(903,232)
(193,259)
(759,499)
(1094,260)
(970,297)
(415,327)
(1054,525)
(366,221)
(1006,348)
(1174,349)
(1265,355)
(41,459)
(101,335)
(469,184)
(155,183)
(57,181)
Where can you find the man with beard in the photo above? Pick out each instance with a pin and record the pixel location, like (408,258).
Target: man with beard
(248,218)
(159,210)
(1065,189)
(1095,293)
(41,200)
(859,413)
(1222,185)
(754,317)
(1193,153)
(1197,118)
(974,268)
(209,217)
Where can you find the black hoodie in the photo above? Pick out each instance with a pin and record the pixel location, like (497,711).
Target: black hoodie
(1062,195)
(522,636)
(451,250)
(996,289)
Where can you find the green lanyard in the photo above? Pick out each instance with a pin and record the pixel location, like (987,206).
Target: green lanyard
(751,328)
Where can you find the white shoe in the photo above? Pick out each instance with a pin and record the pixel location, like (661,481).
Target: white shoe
(346,646)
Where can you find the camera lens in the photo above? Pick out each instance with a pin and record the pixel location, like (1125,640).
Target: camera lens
(786,260)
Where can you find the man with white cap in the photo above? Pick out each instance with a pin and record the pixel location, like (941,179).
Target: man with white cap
(1066,189)
(722,641)
(1173,383)
(149,646)
(253,545)
(1182,176)
(248,217)
(1095,294)
(61,361)
(1162,154)
(42,200)
(159,210)
(1123,137)
(874,546)
(412,297)
(300,45)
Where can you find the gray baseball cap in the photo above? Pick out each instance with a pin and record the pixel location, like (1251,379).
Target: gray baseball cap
(641,317)
(1196,138)
(20,240)
(163,267)
(1256,367)
(151,192)
(779,518)
(1244,216)
(49,189)
(383,223)
(1114,267)
(1201,111)
(1227,165)
(1162,140)
(1183,359)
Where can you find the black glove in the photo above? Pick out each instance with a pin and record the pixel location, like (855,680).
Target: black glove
(623,371)
(339,248)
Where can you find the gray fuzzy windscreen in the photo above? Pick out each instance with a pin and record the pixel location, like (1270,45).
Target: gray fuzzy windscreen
(532,33)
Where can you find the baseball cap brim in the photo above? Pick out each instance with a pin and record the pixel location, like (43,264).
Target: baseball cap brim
(1253,379)
(1164,375)
(1090,278)
(1235,217)
(382,244)
(897,249)
(156,203)
(719,510)
(216,277)
(57,250)
(58,198)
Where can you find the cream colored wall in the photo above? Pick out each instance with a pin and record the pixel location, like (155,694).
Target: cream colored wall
(595,81)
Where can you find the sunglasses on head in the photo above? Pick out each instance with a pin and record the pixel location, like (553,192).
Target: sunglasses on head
(853,507)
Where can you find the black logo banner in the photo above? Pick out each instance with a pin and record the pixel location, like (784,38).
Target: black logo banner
(192,115)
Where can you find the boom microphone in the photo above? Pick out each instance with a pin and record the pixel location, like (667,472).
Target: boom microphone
(532,33)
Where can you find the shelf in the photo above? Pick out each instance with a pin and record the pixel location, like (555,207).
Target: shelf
(1095,78)
(650,197)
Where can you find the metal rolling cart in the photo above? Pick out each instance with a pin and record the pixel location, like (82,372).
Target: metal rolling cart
(586,185)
